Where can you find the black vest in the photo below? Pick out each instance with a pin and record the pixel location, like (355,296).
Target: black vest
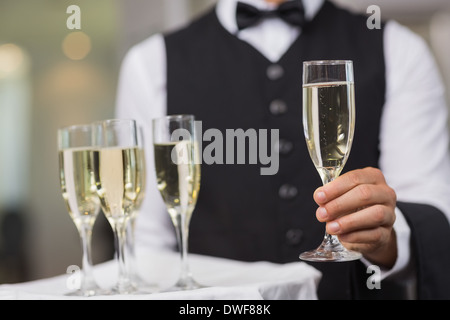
(228,84)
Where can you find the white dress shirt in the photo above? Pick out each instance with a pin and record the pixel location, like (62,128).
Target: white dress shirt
(413,139)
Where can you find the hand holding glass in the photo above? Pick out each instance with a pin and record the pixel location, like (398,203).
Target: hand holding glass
(329,123)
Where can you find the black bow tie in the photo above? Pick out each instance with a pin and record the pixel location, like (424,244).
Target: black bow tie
(290,11)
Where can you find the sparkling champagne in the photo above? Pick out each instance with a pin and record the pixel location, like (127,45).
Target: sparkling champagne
(329,124)
(119,176)
(78,185)
(178,176)
(141,160)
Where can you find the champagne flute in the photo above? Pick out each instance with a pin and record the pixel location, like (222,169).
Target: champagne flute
(329,123)
(75,147)
(119,180)
(178,177)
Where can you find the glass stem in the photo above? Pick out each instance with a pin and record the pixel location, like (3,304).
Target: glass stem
(88,280)
(119,234)
(130,247)
(330,242)
(131,254)
(183,235)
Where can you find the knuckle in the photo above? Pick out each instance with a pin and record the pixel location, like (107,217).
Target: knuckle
(365,193)
(334,207)
(355,177)
(373,237)
(348,239)
(346,223)
(375,172)
(378,214)
(377,235)
(393,218)
(392,195)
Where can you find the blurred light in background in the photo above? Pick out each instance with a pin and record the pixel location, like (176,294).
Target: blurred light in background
(15,107)
(12,60)
(76,45)
(73,90)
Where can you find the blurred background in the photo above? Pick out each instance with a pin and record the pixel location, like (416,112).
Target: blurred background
(52,76)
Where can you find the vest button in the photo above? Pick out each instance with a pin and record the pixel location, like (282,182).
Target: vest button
(287,192)
(284,147)
(294,237)
(275,72)
(278,107)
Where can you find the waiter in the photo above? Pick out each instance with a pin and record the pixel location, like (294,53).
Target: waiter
(239,66)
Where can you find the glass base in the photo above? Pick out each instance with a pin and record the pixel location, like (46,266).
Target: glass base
(146,288)
(185,284)
(123,287)
(91,292)
(331,250)
(134,289)
(330,256)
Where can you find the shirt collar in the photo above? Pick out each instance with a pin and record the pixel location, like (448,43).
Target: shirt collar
(226,10)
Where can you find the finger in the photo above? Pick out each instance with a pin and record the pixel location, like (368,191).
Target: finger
(346,182)
(368,218)
(362,196)
(369,238)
